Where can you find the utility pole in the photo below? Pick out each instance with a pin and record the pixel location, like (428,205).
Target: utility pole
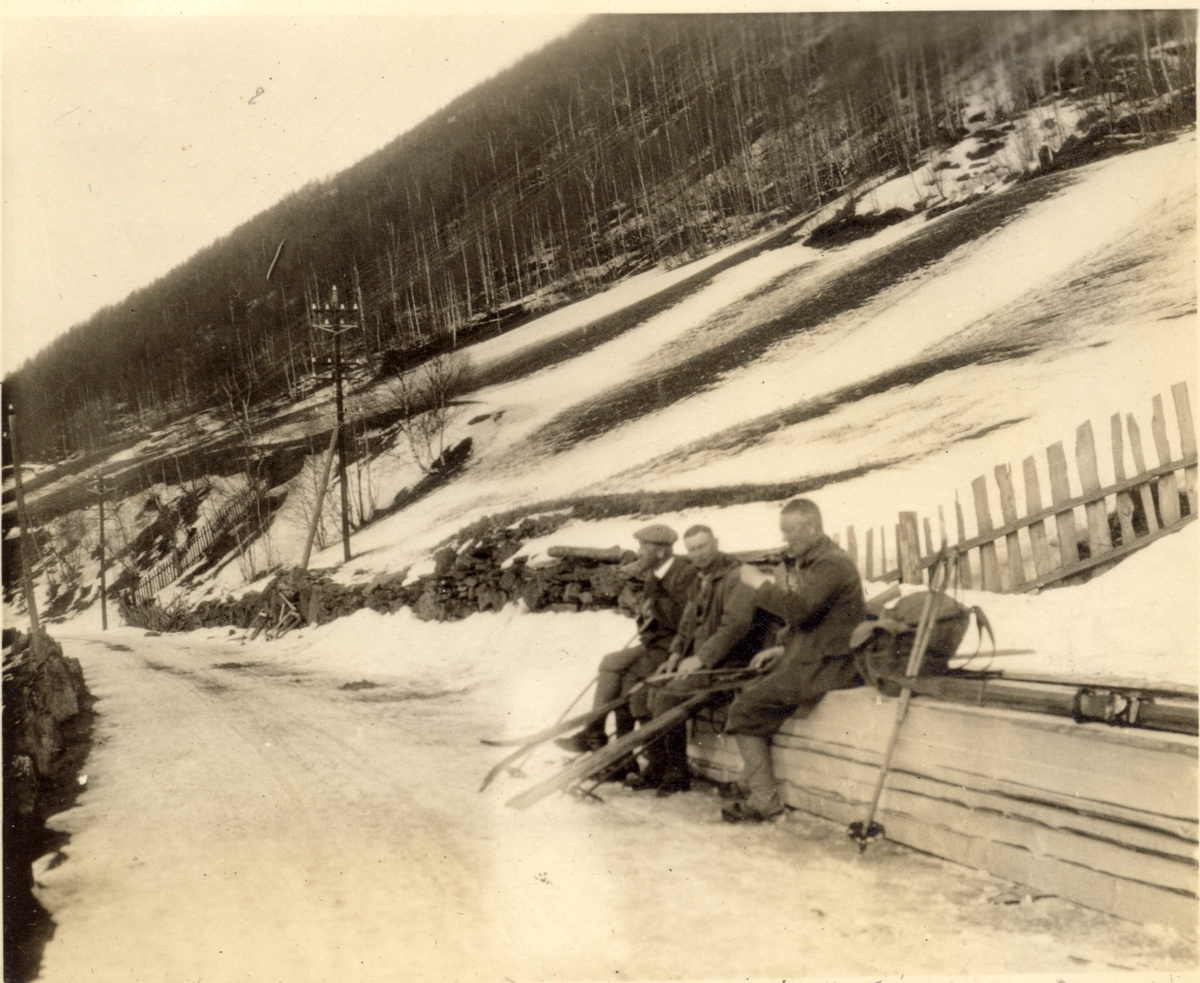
(103,582)
(35,630)
(335,319)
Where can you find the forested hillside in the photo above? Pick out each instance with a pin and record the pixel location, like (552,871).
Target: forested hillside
(636,140)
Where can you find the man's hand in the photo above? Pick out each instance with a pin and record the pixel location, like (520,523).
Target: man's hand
(752,577)
(691,664)
(766,657)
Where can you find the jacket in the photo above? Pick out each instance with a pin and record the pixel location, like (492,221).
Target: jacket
(718,615)
(663,602)
(819,596)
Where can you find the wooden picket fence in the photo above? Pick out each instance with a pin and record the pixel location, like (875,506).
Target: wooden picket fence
(172,567)
(1024,553)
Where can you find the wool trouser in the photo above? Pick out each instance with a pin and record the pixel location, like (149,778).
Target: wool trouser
(758,777)
(620,671)
(790,686)
(669,753)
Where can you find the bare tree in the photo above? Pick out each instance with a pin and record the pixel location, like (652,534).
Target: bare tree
(426,396)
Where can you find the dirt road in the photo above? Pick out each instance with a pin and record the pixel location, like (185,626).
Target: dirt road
(248,817)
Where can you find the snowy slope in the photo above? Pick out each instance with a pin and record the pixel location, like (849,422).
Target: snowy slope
(1095,343)
(1077,305)
(249,817)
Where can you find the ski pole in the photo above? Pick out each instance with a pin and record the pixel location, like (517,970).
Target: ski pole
(868,830)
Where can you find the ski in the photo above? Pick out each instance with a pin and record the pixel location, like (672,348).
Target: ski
(1082,701)
(571,723)
(1121,684)
(611,753)
(589,764)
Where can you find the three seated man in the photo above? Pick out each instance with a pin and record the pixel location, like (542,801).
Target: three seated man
(814,601)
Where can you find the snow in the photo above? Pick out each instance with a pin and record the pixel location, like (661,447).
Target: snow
(1100,368)
(574,316)
(308,804)
(307,809)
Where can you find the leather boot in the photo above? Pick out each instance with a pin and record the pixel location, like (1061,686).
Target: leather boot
(624,720)
(677,777)
(657,763)
(758,778)
(591,738)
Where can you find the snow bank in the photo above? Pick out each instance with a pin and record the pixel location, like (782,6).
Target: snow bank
(1137,620)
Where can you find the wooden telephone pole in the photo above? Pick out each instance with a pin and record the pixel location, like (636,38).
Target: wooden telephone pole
(335,319)
(103,581)
(35,639)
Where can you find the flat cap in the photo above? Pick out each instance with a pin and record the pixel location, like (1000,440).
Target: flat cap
(657,533)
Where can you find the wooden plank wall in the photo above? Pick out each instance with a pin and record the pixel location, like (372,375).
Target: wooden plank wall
(1103,816)
(1074,533)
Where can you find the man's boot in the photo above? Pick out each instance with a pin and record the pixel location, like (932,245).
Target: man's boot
(758,779)
(627,765)
(591,738)
(657,763)
(677,777)
(624,720)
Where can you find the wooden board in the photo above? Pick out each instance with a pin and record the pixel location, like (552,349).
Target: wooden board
(1008,510)
(1124,500)
(1132,900)
(1060,491)
(1089,478)
(996,818)
(1037,530)
(1187,439)
(1103,816)
(989,565)
(1168,490)
(1139,464)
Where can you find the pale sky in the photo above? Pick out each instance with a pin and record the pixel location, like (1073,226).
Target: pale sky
(130,142)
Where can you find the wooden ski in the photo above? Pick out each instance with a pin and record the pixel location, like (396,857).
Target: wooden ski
(611,753)
(1083,702)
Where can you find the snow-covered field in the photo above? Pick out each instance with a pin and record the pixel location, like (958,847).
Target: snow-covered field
(249,817)
(258,822)
(1087,360)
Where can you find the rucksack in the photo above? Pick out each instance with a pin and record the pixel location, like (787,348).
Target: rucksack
(882,647)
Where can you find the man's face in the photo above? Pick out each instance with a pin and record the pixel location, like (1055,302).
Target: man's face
(799,532)
(652,555)
(701,550)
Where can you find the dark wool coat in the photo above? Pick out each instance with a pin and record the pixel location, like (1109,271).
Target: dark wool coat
(718,615)
(663,602)
(820,598)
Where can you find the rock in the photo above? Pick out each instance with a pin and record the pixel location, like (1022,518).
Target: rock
(444,560)
(428,608)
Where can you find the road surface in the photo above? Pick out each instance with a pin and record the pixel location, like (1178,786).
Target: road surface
(247,817)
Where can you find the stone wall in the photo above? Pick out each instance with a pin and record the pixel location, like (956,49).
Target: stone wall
(44,744)
(481,574)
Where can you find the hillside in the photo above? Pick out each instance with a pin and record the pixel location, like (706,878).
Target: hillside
(634,143)
(706,393)
(875,336)
(1074,299)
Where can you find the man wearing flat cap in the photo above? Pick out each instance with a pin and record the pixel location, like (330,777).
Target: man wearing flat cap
(666,578)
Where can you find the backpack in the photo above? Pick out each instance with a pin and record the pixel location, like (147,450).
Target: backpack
(882,647)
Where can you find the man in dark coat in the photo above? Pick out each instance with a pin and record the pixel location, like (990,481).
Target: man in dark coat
(666,578)
(713,632)
(818,593)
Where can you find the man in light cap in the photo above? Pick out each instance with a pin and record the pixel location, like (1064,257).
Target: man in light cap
(667,578)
